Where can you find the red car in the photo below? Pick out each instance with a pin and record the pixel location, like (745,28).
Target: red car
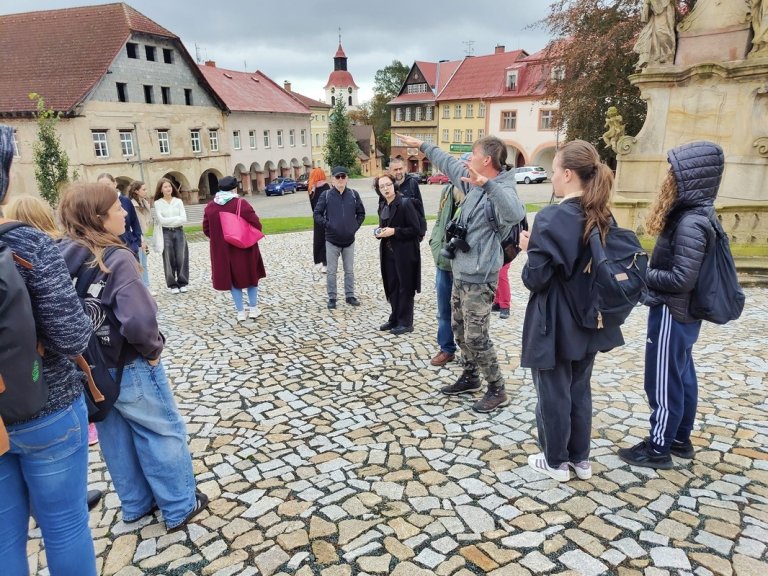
(438,179)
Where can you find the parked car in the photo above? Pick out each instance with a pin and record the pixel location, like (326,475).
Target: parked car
(302,182)
(528,174)
(438,179)
(280,186)
(421,177)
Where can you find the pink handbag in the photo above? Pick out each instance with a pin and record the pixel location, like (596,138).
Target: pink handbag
(237,231)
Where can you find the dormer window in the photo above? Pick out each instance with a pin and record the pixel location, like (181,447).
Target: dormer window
(512,81)
(558,73)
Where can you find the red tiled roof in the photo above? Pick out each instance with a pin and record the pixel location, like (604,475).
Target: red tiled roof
(429,71)
(62,54)
(340,52)
(532,75)
(309,102)
(340,78)
(480,77)
(250,92)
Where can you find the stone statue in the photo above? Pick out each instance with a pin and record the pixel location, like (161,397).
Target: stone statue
(710,15)
(615,124)
(656,42)
(759,10)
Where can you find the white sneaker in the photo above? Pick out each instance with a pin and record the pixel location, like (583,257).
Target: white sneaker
(183,289)
(174,290)
(254,312)
(539,463)
(323,270)
(583,469)
(241,316)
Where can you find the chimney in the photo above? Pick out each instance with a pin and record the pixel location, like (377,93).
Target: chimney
(211,63)
(499,49)
(286,85)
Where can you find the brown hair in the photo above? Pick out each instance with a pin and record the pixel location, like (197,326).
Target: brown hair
(133,194)
(596,180)
(385,175)
(33,211)
(159,189)
(656,218)
(81,211)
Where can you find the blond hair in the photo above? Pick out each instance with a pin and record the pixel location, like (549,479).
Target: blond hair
(656,218)
(33,211)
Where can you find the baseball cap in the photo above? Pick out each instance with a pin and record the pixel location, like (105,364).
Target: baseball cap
(339,170)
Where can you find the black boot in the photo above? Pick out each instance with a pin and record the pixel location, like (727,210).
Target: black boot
(495,397)
(468,382)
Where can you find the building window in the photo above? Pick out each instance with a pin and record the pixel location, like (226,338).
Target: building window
(188,96)
(252,139)
(457,111)
(428,112)
(279,138)
(149,94)
(333,100)
(558,73)
(350,100)
(481,110)
(508,120)
(317,139)
(291,137)
(150,52)
(15,145)
(303,137)
(167,55)
(470,110)
(195,136)
(122,92)
(266,138)
(511,81)
(100,143)
(457,135)
(546,120)
(213,140)
(398,114)
(417,114)
(163,141)
(468,136)
(429,138)
(444,137)
(480,133)
(408,114)
(165,92)
(325,138)
(132,49)
(446,112)
(126,142)
(236,140)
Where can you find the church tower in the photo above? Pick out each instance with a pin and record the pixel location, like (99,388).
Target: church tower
(340,83)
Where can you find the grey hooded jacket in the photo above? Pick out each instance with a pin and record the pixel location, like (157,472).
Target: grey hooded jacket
(687,234)
(482,262)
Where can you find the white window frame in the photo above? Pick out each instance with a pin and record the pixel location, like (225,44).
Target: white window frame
(417,114)
(164,141)
(237,143)
(252,139)
(16,152)
(100,144)
(398,114)
(445,135)
(511,84)
(470,111)
(303,136)
(468,136)
(213,140)
(457,111)
(408,115)
(279,138)
(457,134)
(549,115)
(267,136)
(508,120)
(197,145)
(481,110)
(480,133)
(429,112)
(126,143)
(292,137)
(317,139)
(446,112)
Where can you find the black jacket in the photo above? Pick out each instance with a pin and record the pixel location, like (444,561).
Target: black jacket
(687,234)
(550,333)
(404,218)
(341,214)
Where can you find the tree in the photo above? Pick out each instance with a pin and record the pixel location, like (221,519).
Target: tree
(390,79)
(51,160)
(594,51)
(341,148)
(386,85)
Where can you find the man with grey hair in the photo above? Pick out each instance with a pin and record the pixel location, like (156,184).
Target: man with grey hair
(476,254)
(408,187)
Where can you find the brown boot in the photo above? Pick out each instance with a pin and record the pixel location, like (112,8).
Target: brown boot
(442,358)
(495,397)
(468,382)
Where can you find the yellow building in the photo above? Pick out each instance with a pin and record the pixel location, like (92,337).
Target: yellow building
(318,126)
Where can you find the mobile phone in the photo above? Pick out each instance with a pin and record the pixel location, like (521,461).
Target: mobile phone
(377,231)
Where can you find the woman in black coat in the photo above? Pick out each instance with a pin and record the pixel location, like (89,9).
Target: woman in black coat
(559,352)
(399,231)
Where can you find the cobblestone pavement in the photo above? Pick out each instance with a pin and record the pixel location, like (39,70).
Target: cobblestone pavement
(326,449)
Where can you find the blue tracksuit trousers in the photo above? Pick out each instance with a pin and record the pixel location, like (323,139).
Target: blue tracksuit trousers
(670,377)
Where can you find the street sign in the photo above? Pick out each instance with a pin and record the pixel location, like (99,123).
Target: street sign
(461,148)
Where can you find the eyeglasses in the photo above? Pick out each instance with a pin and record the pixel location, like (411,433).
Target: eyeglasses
(386,185)
(340,176)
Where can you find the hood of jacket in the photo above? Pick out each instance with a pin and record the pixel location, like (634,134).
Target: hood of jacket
(698,169)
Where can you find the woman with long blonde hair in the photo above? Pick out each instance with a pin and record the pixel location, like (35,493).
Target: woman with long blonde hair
(33,211)
(557,349)
(143,437)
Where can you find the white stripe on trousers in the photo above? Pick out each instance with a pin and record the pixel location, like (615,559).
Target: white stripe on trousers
(662,377)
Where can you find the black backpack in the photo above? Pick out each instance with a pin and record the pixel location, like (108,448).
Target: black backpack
(510,245)
(103,389)
(717,296)
(611,282)
(23,390)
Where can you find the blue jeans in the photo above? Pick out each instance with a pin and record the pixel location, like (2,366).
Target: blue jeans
(237,296)
(443,286)
(144,266)
(144,443)
(47,469)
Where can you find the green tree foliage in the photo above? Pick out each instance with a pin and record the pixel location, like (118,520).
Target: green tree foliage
(341,148)
(593,48)
(51,160)
(389,79)
(386,85)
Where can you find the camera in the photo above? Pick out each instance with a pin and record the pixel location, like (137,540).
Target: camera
(377,231)
(456,235)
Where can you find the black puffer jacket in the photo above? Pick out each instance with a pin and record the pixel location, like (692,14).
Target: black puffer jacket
(687,234)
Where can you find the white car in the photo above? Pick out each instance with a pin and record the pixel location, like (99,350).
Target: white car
(528,174)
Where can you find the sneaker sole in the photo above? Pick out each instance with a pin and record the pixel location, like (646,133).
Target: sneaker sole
(467,391)
(580,473)
(499,405)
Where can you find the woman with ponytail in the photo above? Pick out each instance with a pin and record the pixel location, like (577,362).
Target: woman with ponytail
(559,352)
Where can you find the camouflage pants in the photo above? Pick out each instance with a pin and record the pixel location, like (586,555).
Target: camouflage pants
(471,317)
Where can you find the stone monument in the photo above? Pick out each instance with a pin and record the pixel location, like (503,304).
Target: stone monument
(714,88)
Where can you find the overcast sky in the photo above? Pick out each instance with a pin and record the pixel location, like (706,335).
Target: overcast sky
(295,40)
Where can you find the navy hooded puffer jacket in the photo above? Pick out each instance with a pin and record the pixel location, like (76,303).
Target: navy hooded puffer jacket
(687,234)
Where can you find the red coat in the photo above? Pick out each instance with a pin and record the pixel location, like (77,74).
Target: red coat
(232,267)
